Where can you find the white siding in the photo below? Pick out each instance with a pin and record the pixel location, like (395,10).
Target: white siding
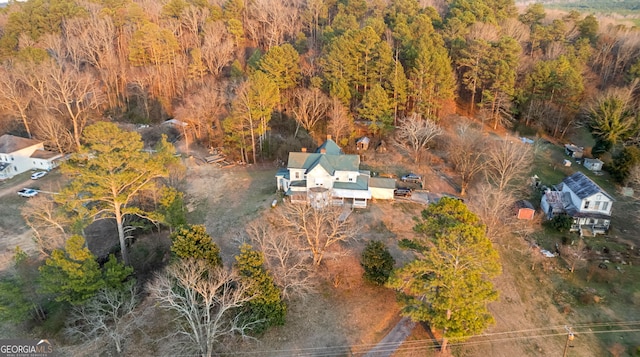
(381,193)
(319,177)
(597,203)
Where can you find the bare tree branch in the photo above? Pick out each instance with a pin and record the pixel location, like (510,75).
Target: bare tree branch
(494,207)
(507,162)
(205,301)
(318,229)
(283,258)
(309,106)
(109,315)
(415,133)
(467,153)
(47,222)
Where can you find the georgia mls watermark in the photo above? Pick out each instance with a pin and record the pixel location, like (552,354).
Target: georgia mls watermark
(26,348)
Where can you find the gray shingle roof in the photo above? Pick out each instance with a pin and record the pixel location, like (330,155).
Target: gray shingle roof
(11,143)
(583,186)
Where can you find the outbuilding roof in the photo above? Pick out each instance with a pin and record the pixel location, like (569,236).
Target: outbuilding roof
(583,186)
(45,155)
(382,182)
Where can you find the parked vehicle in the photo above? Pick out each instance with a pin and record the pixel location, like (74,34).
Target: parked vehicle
(27,192)
(37,175)
(411,178)
(402,192)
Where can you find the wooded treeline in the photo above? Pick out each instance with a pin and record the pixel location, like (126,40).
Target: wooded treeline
(235,69)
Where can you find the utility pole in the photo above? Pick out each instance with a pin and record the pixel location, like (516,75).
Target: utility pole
(570,337)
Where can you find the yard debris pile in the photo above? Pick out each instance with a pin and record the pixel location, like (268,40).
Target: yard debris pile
(218,158)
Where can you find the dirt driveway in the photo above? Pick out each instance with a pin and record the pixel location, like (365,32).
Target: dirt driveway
(13,230)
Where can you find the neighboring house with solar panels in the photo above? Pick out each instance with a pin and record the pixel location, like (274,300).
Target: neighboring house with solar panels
(328,175)
(583,200)
(18,155)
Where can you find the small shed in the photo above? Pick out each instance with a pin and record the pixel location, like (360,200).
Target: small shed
(524,210)
(593,164)
(573,151)
(382,146)
(363,143)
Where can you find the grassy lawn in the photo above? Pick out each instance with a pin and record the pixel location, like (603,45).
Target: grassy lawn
(548,166)
(592,293)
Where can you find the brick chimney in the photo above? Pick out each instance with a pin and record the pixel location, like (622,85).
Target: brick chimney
(328,136)
(323,151)
(304,149)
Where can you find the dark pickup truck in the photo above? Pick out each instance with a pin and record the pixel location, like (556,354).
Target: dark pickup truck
(402,192)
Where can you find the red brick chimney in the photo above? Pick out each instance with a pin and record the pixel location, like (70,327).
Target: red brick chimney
(328,136)
(304,149)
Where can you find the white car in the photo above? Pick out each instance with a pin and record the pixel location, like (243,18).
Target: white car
(37,175)
(27,192)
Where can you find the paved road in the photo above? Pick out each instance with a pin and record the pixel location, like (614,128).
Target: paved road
(393,339)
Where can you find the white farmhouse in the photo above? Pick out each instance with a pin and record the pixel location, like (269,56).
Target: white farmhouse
(331,174)
(18,155)
(582,199)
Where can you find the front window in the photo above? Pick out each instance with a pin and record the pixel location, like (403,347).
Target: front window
(605,206)
(297,175)
(586,204)
(596,205)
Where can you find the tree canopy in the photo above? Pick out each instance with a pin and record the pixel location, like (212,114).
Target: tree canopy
(109,174)
(448,284)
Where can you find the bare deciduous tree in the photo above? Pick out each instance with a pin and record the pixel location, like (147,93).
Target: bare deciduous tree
(341,122)
(283,258)
(318,229)
(467,153)
(507,161)
(53,131)
(201,110)
(574,254)
(270,22)
(109,316)
(309,106)
(218,47)
(94,40)
(16,97)
(206,302)
(494,207)
(67,92)
(415,133)
(48,224)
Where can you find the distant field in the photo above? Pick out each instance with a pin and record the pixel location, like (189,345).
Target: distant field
(622,10)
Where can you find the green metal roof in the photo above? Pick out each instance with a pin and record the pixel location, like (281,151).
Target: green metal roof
(382,182)
(331,148)
(361,183)
(331,163)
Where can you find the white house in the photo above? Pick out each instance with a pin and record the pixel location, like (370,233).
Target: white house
(585,201)
(330,172)
(18,155)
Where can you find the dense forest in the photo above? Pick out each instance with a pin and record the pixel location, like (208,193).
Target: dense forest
(236,69)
